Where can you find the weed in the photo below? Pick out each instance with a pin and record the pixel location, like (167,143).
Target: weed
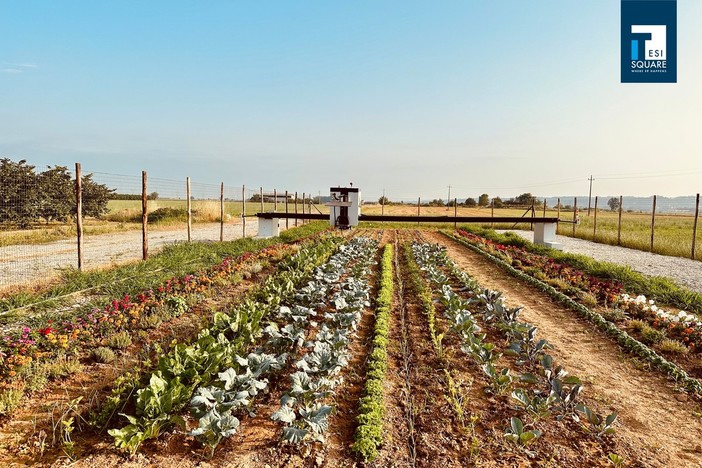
(9,400)
(673,346)
(119,340)
(103,354)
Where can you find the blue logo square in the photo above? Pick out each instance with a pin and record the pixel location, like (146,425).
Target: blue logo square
(649,41)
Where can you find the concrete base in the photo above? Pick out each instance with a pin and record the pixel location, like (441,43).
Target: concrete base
(545,234)
(554,245)
(268,227)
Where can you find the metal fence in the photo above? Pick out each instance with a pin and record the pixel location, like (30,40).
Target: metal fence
(143,215)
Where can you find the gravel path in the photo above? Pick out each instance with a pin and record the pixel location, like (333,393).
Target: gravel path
(684,271)
(27,264)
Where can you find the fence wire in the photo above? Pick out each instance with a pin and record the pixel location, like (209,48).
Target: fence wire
(36,244)
(38,232)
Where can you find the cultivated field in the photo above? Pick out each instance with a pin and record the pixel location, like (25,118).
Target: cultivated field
(376,347)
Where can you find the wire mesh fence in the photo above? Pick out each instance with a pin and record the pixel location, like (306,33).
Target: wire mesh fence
(40,232)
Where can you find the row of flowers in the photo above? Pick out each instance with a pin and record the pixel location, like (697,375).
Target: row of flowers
(606,291)
(680,325)
(91,328)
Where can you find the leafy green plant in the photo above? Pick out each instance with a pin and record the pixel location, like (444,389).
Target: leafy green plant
(371,412)
(517,434)
(500,381)
(535,405)
(600,425)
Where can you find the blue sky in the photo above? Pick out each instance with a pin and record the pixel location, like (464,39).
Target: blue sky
(500,97)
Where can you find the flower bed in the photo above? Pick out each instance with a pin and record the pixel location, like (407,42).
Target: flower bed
(605,291)
(93,328)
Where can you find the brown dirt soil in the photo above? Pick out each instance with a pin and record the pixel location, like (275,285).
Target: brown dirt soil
(653,416)
(22,433)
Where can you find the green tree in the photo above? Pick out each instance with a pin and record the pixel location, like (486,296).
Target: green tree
(57,200)
(484,200)
(383,200)
(524,199)
(152,196)
(95,197)
(19,203)
(497,202)
(470,202)
(613,203)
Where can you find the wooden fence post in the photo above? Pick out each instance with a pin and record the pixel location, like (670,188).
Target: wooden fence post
(190,214)
(619,222)
(295,209)
(243,211)
(221,212)
(286,209)
(419,203)
(694,226)
(492,211)
(533,212)
(275,200)
(303,205)
(261,196)
(653,222)
(144,219)
(79,215)
(558,215)
(455,213)
(594,223)
(575,213)
(544,207)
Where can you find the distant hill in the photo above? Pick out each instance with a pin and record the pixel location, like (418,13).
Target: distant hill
(684,204)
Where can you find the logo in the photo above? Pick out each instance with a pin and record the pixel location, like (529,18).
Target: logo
(649,41)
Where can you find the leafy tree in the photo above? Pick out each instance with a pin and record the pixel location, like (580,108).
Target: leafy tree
(383,200)
(152,196)
(19,201)
(95,197)
(484,200)
(451,203)
(56,194)
(497,202)
(471,202)
(524,199)
(613,203)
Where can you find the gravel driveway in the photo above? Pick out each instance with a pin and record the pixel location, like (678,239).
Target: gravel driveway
(684,271)
(27,264)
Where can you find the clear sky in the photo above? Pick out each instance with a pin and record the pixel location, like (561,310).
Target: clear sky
(502,96)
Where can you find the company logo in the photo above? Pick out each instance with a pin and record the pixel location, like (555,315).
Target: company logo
(649,41)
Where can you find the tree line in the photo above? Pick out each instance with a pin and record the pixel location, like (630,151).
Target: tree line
(28,196)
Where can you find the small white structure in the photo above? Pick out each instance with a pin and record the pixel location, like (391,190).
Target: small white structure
(344,207)
(268,227)
(545,234)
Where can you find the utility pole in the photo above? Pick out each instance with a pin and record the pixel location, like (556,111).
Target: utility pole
(589,197)
(449,198)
